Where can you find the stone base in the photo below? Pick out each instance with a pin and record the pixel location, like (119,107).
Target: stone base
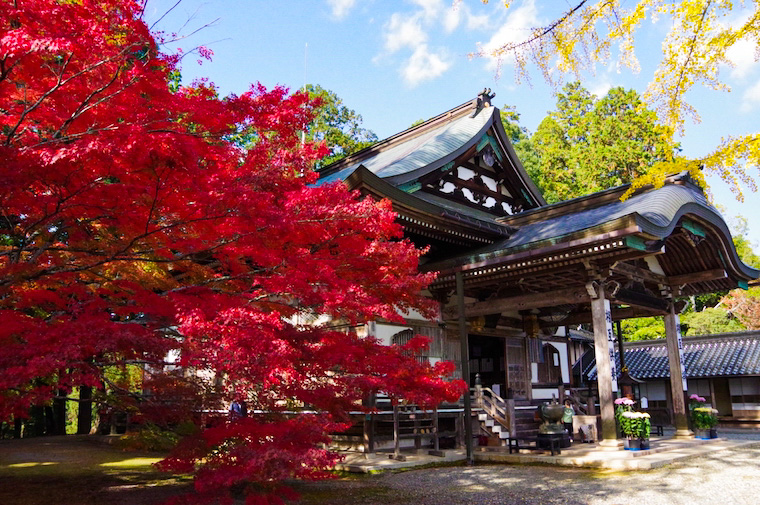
(687,433)
(611,445)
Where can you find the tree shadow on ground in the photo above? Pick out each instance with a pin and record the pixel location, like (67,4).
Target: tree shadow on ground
(76,471)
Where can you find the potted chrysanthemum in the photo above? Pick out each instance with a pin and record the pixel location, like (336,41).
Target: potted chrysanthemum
(636,427)
(623,405)
(704,418)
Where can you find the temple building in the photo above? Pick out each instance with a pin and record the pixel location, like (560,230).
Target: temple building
(517,277)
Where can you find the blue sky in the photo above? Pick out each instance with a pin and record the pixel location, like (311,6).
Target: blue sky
(398,61)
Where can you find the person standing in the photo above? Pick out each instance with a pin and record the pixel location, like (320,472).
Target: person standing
(567,418)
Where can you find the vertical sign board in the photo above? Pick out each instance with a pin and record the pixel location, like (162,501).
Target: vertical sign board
(680,351)
(610,344)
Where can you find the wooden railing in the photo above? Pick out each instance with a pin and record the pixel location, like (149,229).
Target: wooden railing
(583,400)
(386,423)
(500,410)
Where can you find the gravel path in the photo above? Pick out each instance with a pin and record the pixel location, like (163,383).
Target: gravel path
(730,477)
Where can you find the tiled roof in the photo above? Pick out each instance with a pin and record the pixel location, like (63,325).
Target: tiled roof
(408,156)
(710,356)
(659,209)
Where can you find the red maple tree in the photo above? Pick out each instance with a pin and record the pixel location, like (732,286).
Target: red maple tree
(133,226)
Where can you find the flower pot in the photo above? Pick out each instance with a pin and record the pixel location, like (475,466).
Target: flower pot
(644,444)
(634,444)
(702,434)
(713,433)
(626,445)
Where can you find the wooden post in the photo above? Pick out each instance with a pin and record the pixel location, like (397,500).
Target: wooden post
(510,408)
(599,313)
(459,428)
(369,426)
(591,405)
(465,351)
(59,413)
(675,361)
(417,432)
(84,419)
(396,438)
(478,392)
(436,444)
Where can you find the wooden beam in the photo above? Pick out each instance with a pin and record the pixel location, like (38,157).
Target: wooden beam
(522,302)
(633,272)
(618,314)
(630,297)
(707,275)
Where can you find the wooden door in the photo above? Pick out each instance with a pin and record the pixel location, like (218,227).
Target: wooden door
(721,399)
(517,372)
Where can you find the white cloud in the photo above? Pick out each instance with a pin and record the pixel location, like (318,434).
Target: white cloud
(474,22)
(402,31)
(742,55)
(751,98)
(431,8)
(410,34)
(600,89)
(340,8)
(424,65)
(516,27)
(452,17)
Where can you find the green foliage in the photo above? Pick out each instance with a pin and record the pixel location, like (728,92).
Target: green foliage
(519,136)
(642,328)
(703,418)
(154,438)
(589,144)
(337,126)
(710,320)
(741,241)
(695,47)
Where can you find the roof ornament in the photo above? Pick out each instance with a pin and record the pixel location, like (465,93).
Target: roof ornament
(483,101)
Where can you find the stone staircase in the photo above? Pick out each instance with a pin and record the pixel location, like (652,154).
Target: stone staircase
(494,428)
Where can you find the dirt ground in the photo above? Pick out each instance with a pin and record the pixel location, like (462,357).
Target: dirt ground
(80,470)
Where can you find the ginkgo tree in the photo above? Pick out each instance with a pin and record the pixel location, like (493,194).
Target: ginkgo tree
(132,228)
(700,34)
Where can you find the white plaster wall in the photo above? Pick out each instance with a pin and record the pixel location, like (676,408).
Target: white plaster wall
(654,391)
(384,332)
(545,393)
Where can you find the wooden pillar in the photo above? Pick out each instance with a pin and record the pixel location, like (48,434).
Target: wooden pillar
(602,322)
(465,351)
(677,382)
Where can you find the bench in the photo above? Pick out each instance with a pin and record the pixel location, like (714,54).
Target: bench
(554,444)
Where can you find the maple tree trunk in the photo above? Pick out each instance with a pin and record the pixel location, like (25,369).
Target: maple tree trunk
(59,413)
(84,419)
